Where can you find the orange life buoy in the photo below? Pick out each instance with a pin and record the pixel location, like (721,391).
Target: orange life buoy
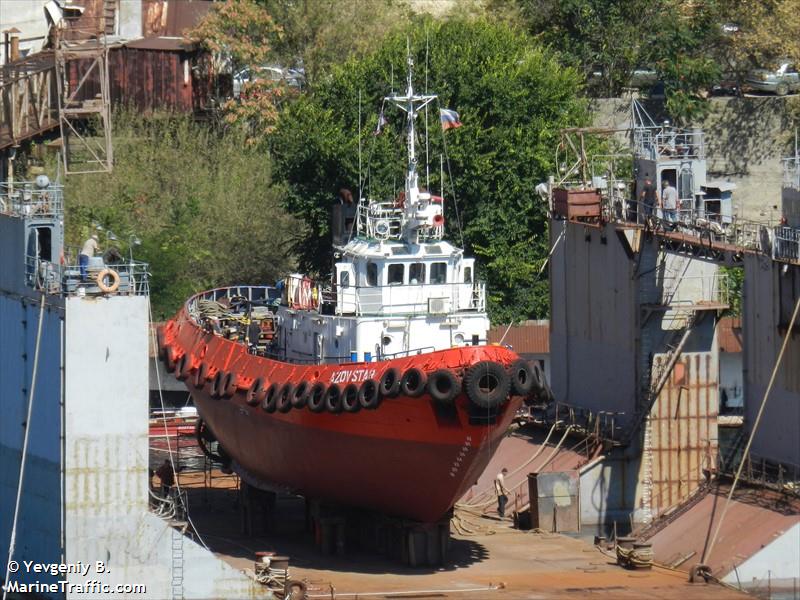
(101,281)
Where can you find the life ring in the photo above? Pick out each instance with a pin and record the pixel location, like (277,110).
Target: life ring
(412,384)
(443,386)
(170,358)
(100,280)
(271,398)
(256,392)
(200,376)
(369,396)
(184,367)
(332,399)
(487,384)
(522,377)
(284,401)
(217,384)
(350,401)
(438,220)
(316,397)
(389,383)
(300,395)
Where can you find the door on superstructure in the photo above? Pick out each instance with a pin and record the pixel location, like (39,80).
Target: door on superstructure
(346,290)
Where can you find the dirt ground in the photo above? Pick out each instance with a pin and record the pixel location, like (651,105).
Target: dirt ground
(498,562)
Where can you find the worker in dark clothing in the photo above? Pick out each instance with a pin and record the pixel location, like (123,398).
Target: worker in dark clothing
(167,476)
(648,198)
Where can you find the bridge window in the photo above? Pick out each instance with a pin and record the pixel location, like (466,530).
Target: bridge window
(344,279)
(372,273)
(467,274)
(396,274)
(439,273)
(416,273)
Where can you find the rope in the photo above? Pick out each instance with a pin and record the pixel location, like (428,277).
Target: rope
(745,454)
(154,347)
(13,541)
(539,274)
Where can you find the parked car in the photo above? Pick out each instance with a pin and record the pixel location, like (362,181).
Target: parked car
(292,77)
(779,81)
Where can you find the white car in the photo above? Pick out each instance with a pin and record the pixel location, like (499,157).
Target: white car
(292,77)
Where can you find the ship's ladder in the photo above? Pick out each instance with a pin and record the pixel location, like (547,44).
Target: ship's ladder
(177,563)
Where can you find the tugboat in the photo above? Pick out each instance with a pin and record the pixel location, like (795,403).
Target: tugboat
(379,393)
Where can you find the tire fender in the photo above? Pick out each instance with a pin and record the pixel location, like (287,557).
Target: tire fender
(271,398)
(284,402)
(333,399)
(369,396)
(444,386)
(350,401)
(316,397)
(389,384)
(300,394)
(413,382)
(487,384)
(200,376)
(522,377)
(256,392)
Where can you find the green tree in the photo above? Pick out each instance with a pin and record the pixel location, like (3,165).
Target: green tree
(513,97)
(607,40)
(203,204)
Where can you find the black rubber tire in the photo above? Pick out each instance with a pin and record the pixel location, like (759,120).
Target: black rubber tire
(413,382)
(350,401)
(539,380)
(389,385)
(256,392)
(271,398)
(487,384)
(522,377)
(217,384)
(300,395)
(369,395)
(200,376)
(184,367)
(170,358)
(316,397)
(230,385)
(332,399)
(444,386)
(284,401)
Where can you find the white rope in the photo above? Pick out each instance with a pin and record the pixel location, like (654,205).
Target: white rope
(746,452)
(154,347)
(539,274)
(13,541)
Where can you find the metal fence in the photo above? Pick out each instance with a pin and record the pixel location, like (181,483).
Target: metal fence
(122,279)
(29,200)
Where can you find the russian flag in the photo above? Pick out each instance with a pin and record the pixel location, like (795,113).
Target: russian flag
(449,118)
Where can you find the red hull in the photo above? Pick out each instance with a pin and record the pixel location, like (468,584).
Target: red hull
(406,458)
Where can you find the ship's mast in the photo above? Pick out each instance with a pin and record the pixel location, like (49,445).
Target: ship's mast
(411,104)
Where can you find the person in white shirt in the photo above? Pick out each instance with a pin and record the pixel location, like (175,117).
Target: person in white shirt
(88,250)
(502,492)
(669,201)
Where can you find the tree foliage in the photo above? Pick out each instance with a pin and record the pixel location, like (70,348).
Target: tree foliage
(204,206)
(608,40)
(512,96)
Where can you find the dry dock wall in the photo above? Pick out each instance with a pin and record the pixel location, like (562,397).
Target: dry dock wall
(770,292)
(38,535)
(106,463)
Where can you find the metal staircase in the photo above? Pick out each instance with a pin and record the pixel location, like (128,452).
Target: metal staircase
(177,563)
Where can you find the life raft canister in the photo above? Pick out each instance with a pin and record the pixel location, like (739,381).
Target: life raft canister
(487,384)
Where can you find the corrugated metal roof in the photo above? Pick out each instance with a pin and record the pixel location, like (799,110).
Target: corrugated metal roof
(729,334)
(530,337)
(755,518)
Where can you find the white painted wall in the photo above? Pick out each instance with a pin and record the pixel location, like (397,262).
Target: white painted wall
(106,461)
(731,379)
(29,17)
(778,561)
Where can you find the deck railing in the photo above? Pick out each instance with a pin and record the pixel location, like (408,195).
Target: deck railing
(25,199)
(71,280)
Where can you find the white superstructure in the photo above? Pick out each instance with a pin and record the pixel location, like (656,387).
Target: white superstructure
(399,288)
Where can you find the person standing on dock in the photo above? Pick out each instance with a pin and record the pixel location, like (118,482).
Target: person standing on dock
(502,492)
(90,246)
(669,202)
(167,477)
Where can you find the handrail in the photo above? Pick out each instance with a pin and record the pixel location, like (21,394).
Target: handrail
(74,280)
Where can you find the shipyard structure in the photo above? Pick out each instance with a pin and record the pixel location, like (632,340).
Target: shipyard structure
(637,290)
(74,480)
